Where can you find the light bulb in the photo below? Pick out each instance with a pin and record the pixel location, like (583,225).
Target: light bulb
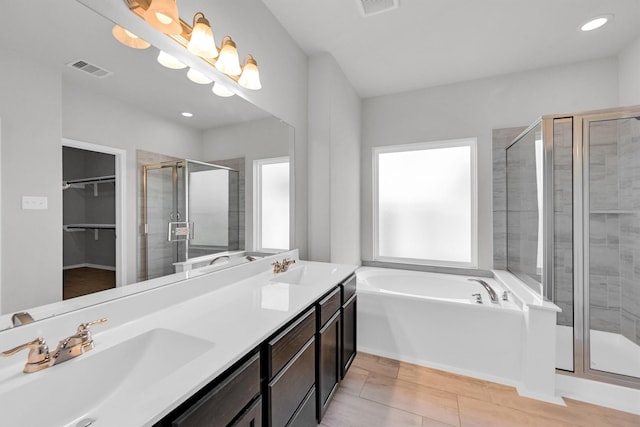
(250,77)
(170,61)
(221,90)
(197,77)
(202,42)
(163,15)
(129,39)
(228,61)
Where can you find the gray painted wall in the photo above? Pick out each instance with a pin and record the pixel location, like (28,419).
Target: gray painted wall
(473,109)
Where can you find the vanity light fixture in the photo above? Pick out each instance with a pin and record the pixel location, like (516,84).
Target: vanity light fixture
(228,61)
(250,78)
(197,77)
(163,15)
(221,90)
(202,42)
(129,39)
(170,61)
(595,23)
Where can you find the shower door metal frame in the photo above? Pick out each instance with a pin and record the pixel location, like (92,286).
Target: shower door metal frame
(582,330)
(174,164)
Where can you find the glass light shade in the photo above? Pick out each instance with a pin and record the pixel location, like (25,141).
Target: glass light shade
(197,77)
(250,78)
(170,61)
(228,61)
(221,90)
(163,15)
(129,39)
(202,42)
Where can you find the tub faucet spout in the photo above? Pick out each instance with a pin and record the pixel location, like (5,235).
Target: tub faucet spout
(492,294)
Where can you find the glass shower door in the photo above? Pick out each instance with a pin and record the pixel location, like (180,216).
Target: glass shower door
(164,204)
(612,255)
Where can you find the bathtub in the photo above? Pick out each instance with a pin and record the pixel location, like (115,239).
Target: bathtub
(433,320)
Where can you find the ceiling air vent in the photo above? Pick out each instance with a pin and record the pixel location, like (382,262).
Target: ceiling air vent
(94,70)
(373,7)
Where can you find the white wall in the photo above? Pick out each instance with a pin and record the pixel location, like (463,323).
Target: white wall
(259,139)
(334,158)
(629,74)
(473,109)
(30,108)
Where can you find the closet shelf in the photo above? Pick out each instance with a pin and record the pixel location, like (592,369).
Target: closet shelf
(82,227)
(93,180)
(611,212)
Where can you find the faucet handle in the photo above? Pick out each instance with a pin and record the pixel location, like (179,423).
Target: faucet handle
(38,357)
(84,327)
(478,298)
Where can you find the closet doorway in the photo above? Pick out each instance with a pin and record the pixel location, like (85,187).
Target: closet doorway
(93,216)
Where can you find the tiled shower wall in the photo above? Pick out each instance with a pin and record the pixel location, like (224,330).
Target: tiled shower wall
(614,238)
(614,234)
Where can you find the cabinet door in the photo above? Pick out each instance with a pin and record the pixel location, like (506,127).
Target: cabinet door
(328,362)
(349,319)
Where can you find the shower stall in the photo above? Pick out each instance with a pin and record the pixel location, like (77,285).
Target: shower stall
(189,209)
(573,235)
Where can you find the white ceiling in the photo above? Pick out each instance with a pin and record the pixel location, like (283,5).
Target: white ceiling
(64,30)
(427,43)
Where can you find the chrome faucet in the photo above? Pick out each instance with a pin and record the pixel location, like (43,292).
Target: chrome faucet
(21,318)
(219,257)
(492,294)
(39,356)
(281,267)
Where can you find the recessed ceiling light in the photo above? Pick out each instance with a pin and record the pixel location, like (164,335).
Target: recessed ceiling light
(595,23)
(187,114)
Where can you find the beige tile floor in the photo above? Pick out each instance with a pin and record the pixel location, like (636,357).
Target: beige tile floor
(383,392)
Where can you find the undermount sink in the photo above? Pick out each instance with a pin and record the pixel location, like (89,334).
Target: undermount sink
(306,274)
(66,394)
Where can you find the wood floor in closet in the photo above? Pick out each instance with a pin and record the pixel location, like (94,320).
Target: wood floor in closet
(86,280)
(381,392)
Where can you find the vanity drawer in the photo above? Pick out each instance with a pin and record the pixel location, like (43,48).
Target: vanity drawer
(252,417)
(288,389)
(287,343)
(348,288)
(306,414)
(222,404)
(329,305)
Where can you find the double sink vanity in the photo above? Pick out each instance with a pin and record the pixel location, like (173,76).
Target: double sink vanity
(245,346)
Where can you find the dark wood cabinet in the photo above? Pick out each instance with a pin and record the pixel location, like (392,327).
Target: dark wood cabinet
(306,415)
(329,367)
(229,400)
(252,417)
(349,326)
(287,390)
(290,379)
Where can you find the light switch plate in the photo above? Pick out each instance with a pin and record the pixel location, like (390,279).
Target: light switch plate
(34,202)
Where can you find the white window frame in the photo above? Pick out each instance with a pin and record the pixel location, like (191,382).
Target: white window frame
(462,142)
(257,202)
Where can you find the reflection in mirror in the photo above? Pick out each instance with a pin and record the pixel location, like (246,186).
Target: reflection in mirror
(525,207)
(132,105)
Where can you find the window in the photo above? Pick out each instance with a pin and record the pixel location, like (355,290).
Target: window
(271,204)
(425,209)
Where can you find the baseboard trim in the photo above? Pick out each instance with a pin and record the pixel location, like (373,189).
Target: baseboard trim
(89,265)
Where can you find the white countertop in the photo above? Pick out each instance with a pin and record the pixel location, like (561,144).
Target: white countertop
(231,320)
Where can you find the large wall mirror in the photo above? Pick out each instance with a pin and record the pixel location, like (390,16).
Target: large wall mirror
(80,142)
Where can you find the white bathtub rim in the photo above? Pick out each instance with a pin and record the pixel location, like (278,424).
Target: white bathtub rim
(467,373)
(522,293)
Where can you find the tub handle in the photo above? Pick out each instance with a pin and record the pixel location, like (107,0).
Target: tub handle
(478,298)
